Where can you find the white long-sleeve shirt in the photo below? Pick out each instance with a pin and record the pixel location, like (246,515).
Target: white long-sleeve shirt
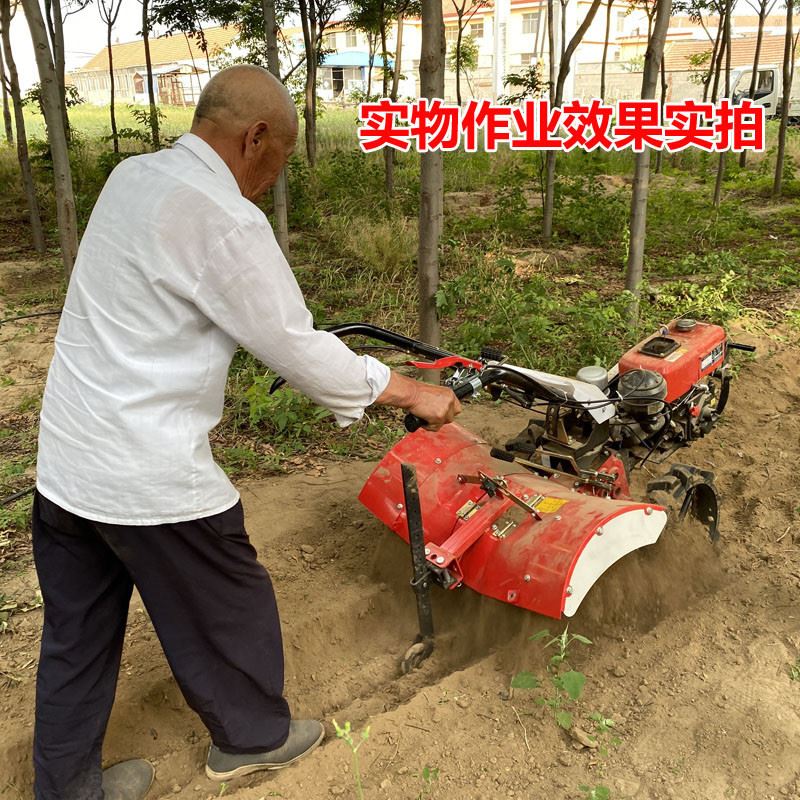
(175,268)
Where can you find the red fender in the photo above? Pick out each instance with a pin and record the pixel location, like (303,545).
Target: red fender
(545,562)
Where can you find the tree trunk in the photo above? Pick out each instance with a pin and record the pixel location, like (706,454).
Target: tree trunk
(641,176)
(762,15)
(7,123)
(34,215)
(711,63)
(388,152)
(551,49)
(788,73)
(56,135)
(309,112)
(563,42)
(397,60)
(151,93)
(720,56)
(458,61)
(114,136)
(660,153)
(431,205)
(727,40)
(371,55)
(605,52)
(55,26)
(550,162)
(280,199)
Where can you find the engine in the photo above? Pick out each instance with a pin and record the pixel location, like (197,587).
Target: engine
(665,392)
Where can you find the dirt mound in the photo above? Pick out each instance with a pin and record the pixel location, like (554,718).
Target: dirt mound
(691,654)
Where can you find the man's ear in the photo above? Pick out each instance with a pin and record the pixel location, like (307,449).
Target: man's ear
(254,138)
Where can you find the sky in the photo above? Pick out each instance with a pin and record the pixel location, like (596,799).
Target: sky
(84,35)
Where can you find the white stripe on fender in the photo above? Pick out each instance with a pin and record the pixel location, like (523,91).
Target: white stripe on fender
(621,535)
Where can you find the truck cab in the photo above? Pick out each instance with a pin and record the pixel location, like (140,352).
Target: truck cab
(769,90)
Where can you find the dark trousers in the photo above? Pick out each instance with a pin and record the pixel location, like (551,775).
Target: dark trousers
(212,606)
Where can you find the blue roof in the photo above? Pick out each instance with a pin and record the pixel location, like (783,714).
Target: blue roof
(352,58)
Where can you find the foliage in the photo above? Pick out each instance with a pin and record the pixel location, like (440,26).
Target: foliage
(528,83)
(566,683)
(700,66)
(464,59)
(285,416)
(794,670)
(33,97)
(346,734)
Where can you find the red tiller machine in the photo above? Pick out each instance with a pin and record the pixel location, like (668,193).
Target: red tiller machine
(537,522)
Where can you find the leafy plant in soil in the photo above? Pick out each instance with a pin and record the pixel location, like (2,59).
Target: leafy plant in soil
(566,684)
(347,735)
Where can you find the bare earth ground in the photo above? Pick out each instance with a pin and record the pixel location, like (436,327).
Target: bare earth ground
(691,654)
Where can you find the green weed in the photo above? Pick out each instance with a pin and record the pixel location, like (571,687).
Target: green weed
(347,735)
(566,684)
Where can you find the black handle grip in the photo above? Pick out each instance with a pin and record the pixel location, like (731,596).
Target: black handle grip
(413,423)
(747,348)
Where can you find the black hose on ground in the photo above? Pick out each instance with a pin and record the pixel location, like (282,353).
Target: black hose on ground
(30,316)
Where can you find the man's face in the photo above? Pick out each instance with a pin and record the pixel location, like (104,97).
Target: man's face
(270,150)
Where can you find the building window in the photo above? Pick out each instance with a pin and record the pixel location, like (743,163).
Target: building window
(476,30)
(350,39)
(526,59)
(621,21)
(330,41)
(530,25)
(451,34)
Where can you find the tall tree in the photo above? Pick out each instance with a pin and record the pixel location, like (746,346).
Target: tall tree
(662,102)
(641,175)
(37,232)
(762,8)
(109,11)
(556,100)
(789,47)
(726,43)
(465,11)
(148,61)
(52,107)
(551,49)
(315,17)
(7,124)
(54,18)
(280,200)
(605,51)
(431,197)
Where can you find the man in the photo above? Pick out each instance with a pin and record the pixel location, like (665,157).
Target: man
(177,267)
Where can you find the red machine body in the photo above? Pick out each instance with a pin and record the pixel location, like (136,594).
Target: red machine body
(698,352)
(545,559)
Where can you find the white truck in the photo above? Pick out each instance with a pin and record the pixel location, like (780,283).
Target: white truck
(769,89)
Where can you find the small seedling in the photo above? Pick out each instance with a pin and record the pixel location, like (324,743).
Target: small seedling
(604,729)
(346,734)
(223,787)
(598,792)
(794,670)
(567,684)
(428,775)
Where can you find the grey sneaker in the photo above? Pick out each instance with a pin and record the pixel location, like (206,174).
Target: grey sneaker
(128,780)
(304,736)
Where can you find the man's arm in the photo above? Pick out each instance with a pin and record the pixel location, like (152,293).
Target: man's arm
(248,289)
(435,404)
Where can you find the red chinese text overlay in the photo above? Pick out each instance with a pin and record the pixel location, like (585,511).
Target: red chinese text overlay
(427,125)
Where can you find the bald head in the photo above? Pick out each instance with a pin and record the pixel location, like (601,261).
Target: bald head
(237,97)
(248,117)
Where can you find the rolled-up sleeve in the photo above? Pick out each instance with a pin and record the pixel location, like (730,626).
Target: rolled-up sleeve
(247,288)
